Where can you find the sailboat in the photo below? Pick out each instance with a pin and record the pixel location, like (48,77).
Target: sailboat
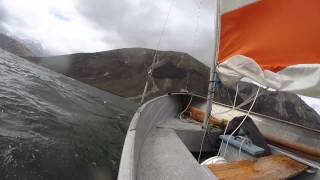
(274,43)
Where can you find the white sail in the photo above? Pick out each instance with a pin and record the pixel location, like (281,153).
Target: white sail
(275,43)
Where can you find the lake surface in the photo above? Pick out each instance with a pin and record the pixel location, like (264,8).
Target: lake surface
(55,128)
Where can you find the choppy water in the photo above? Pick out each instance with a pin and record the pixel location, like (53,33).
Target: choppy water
(53,127)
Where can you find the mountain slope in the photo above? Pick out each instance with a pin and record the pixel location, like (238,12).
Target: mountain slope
(12,45)
(124,71)
(281,105)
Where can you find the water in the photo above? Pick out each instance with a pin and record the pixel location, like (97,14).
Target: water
(53,127)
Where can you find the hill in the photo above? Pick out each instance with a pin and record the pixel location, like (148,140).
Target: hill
(124,72)
(14,46)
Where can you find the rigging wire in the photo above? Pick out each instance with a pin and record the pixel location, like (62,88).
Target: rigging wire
(156,52)
(247,101)
(243,120)
(195,38)
(233,108)
(235,98)
(237,107)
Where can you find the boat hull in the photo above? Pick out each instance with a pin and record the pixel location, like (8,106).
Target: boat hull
(158,144)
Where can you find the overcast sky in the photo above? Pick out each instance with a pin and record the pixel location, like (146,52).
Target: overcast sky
(69,26)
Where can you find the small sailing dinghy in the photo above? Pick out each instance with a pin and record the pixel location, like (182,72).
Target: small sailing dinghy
(275,43)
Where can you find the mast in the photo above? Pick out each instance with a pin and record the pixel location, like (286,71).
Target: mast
(213,71)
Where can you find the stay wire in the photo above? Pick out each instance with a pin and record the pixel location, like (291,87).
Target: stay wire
(149,76)
(243,120)
(233,108)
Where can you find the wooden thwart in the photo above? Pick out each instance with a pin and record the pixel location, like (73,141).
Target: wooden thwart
(274,167)
(198,115)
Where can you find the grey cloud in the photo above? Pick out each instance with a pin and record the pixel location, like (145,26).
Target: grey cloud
(130,23)
(6,18)
(127,23)
(139,25)
(3,16)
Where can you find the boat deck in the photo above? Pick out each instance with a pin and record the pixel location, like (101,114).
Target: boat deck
(177,124)
(160,146)
(165,156)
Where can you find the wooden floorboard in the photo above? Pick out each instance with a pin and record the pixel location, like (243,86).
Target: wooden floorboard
(274,167)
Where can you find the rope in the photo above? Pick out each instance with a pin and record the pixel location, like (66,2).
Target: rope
(255,98)
(235,98)
(233,108)
(156,52)
(237,107)
(243,141)
(187,107)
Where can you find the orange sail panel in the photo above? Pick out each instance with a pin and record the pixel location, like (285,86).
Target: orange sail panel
(274,33)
